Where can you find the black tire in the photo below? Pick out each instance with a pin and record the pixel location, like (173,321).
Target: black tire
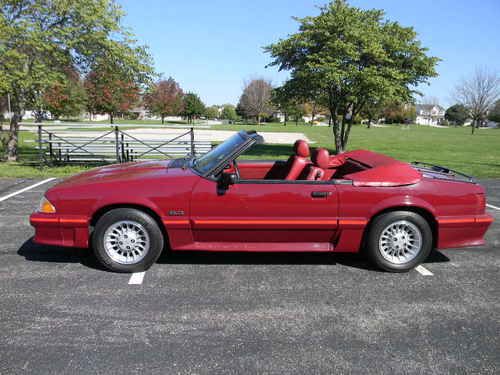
(380,223)
(155,236)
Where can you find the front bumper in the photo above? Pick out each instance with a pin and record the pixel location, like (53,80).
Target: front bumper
(60,230)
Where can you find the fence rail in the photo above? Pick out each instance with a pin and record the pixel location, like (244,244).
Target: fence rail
(114,145)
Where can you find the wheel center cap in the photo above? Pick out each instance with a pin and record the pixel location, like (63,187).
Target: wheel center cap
(128,240)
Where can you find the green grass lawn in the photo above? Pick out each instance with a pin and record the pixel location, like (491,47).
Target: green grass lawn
(477,155)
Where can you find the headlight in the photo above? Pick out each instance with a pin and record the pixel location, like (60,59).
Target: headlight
(46,207)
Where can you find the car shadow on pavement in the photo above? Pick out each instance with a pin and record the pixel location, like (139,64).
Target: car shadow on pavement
(46,253)
(355,260)
(54,254)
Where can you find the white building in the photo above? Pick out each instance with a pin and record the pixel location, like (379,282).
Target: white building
(429,114)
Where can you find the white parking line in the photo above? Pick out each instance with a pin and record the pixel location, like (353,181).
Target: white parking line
(26,189)
(136,278)
(491,206)
(423,271)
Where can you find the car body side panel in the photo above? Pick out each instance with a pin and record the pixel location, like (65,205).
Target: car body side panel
(270,213)
(454,206)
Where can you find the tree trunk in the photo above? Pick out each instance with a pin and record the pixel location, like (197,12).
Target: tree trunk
(337,136)
(369,125)
(258,119)
(347,132)
(111,119)
(12,143)
(162,120)
(473,126)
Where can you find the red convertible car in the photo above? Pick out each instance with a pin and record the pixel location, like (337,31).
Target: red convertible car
(360,200)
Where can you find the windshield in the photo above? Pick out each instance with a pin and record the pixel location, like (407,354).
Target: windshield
(211,159)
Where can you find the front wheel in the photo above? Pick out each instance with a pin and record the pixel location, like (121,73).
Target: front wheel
(127,240)
(399,241)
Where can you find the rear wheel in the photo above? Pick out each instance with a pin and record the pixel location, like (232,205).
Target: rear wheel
(399,241)
(127,240)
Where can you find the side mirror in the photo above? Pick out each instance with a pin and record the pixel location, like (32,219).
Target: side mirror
(226,180)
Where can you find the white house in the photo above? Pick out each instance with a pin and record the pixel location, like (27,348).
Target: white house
(429,114)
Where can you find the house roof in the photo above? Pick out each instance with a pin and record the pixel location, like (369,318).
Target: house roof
(427,107)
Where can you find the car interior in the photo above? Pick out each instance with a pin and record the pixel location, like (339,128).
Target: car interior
(303,164)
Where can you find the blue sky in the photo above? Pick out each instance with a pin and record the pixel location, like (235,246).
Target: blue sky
(212,46)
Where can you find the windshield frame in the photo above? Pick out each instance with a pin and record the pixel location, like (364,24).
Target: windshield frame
(249,139)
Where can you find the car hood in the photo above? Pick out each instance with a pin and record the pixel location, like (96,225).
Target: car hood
(124,172)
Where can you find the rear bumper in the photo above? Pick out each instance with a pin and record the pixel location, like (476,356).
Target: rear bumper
(462,231)
(60,230)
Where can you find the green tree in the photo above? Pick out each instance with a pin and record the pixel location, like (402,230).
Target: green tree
(456,114)
(347,56)
(39,39)
(193,107)
(297,112)
(229,113)
(494,114)
(372,110)
(212,112)
(164,98)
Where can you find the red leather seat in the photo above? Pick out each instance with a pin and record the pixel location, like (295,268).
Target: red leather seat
(320,159)
(296,163)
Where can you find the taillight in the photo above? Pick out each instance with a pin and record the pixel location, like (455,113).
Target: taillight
(481,202)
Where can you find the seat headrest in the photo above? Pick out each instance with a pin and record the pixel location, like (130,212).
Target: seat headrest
(321,158)
(301,148)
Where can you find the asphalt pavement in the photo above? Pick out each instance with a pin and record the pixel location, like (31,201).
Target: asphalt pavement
(243,313)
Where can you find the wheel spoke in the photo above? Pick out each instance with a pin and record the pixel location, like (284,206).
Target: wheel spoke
(400,242)
(126,242)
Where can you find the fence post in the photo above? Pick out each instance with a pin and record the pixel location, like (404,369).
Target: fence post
(191,133)
(40,150)
(50,146)
(117,144)
(122,147)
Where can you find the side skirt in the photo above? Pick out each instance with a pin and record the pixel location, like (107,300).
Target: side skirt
(258,246)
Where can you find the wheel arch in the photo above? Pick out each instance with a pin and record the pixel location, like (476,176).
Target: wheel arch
(148,210)
(424,212)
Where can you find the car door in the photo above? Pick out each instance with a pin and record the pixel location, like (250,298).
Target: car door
(266,212)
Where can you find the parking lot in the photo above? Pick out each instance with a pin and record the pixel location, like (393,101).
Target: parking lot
(243,313)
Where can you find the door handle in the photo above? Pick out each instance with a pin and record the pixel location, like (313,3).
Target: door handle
(320,194)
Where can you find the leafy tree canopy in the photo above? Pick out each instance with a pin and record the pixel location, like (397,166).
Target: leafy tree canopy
(229,112)
(457,114)
(346,56)
(65,97)
(193,106)
(108,91)
(164,98)
(212,112)
(41,38)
